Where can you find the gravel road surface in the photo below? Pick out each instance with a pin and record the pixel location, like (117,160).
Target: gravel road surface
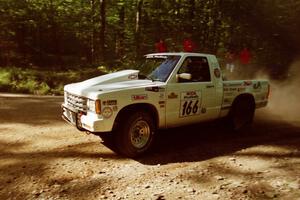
(43,157)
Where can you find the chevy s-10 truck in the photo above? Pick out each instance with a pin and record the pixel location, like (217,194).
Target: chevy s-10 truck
(168,90)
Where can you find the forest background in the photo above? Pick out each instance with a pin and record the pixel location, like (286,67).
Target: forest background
(45,44)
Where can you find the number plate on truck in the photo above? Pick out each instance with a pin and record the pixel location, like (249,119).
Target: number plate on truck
(71,116)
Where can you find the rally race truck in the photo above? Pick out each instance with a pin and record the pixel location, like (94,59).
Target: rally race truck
(168,90)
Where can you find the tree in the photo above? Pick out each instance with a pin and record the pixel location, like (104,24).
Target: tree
(138,19)
(102,4)
(55,33)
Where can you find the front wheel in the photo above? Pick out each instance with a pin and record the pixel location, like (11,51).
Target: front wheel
(135,134)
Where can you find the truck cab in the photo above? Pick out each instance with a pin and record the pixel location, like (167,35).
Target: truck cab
(194,91)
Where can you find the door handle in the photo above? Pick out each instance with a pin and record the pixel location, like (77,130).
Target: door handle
(210,86)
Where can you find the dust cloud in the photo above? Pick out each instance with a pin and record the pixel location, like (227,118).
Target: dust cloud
(284,100)
(285,96)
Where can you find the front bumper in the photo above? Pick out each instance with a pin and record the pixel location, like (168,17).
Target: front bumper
(85,121)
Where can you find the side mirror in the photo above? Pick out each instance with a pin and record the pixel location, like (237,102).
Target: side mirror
(184,76)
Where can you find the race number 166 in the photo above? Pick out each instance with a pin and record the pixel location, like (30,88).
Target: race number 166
(189,108)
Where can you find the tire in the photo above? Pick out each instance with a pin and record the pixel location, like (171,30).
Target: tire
(242,113)
(135,133)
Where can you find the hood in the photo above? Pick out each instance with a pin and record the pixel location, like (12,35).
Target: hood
(114,81)
(119,76)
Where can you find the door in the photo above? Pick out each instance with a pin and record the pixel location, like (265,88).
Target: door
(191,99)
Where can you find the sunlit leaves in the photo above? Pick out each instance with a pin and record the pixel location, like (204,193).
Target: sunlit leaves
(37,27)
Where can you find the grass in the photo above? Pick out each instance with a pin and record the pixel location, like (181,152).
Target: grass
(42,82)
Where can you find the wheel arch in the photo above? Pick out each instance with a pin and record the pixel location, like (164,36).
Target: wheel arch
(146,107)
(244,96)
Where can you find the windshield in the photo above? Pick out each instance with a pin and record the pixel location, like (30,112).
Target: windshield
(158,67)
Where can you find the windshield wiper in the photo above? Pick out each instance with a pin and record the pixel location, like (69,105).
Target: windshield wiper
(142,76)
(153,79)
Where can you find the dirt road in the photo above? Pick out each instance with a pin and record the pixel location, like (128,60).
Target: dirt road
(42,157)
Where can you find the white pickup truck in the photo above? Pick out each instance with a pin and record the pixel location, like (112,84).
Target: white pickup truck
(169,90)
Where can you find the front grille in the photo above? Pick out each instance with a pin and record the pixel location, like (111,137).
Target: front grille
(77,102)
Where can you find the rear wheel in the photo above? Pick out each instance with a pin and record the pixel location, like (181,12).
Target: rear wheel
(135,133)
(241,114)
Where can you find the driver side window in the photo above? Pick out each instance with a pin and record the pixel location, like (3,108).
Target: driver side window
(198,68)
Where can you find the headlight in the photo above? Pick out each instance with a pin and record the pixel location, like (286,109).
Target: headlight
(94,105)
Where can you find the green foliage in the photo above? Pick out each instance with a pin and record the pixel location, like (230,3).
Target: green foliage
(35,81)
(5,77)
(69,34)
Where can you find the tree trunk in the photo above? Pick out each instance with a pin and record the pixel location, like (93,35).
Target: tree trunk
(191,16)
(103,28)
(216,25)
(20,35)
(138,26)
(55,46)
(121,33)
(92,36)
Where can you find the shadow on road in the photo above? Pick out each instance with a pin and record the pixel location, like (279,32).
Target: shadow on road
(30,110)
(34,168)
(54,170)
(206,141)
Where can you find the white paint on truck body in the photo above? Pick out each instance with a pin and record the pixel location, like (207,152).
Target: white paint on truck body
(176,102)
